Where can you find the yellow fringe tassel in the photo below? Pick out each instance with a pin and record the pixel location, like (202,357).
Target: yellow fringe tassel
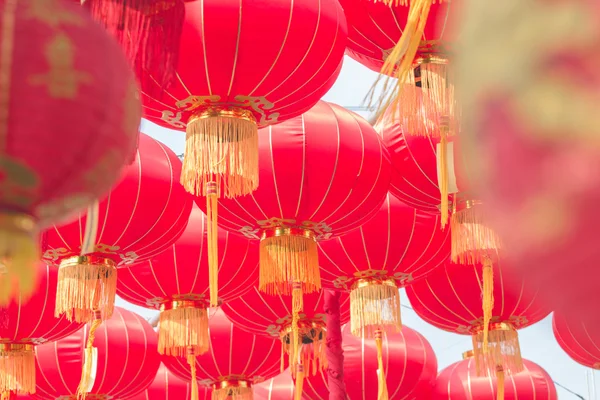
(382,392)
(213,242)
(289,258)
(375,306)
(86,373)
(299,386)
(221,146)
(6,396)
(443,168)
(503,351)
(19,255)
(17,368)
(86,284)
(488,299)
(232,392)
(181,329)
(311,349)
(500,383)
(191,359)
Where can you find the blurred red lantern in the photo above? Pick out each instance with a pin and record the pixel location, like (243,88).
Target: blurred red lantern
(450,299)
(460,381)
(267,315)
(579,338)
(235,362)
(407,356)
(397,247)
(176,283)
(25,324)
(280,387)
(87,112)
(167,385)
(125,364)
(141,217)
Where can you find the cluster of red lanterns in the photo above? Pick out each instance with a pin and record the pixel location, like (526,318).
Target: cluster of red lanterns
(275,250)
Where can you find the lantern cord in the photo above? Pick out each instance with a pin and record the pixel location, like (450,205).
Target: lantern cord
(299,388)
(297,306)
(191,359)
(212,194)
(381,378)
(443,168)
(500,383)
(88,364)
(488,299)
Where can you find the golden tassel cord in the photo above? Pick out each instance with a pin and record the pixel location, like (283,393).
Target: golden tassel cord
(382,392)
(297,306)
(221,146)
(183,327)
(86,284)
(299,385)
(212,194)
(191,359)
(17,366)
(237,390)
(443,170)
(500,383)
(86,373)
(488,299)
(287,256)
(503,350)
(19,255)
(374,306)
(311,348)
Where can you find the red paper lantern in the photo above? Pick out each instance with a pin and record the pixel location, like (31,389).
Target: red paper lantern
(142,216)
(450,299)
(236,360)
(167,385)
(272,316)
(25,324)
(397,247)
(126,364)
(579,338)
(459,381)
(409,360)
(228,86)
(70,150)
(176,282)
(280,387)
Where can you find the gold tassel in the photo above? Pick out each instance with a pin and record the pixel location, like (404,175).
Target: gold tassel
(86,373)
(382,393)
(17,366)
(212,194)
(297,306)
(500,383)
(288,255)
(6,396)
(299,387)
(374,306)
(488,299)
(19,255)
(183,325)
(443,168)
(221,146)
(282,361)
(234,390)
(86,284)
(191,359)
(503,350)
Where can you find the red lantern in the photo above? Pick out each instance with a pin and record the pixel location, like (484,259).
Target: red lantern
(398,246)
(266,315)
(142,216)
(70,150)
(280,387)
(26,324)
(459,381)
(236,361)
(579,338)
(409,360)
(126,362)
(167,385)
(450,299)
(176,283)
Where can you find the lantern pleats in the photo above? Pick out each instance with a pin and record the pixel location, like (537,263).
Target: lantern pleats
(183,329)
(17,363)
(375,306)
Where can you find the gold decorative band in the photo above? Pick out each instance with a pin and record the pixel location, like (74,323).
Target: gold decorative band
(87,260)
(228,112)
(468,354)
(463,204)
(178,304)
(495,326)
(372,281)
(268,233)
(14,347)
(232,383)
(17,222)
(431,60)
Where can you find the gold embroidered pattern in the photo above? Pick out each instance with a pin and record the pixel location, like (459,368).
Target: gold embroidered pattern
(344,282)
(321,230)
(173,119)
(517,321)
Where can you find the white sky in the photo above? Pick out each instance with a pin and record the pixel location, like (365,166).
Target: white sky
(537,342)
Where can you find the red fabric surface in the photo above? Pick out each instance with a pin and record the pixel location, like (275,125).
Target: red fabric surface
(398,242)
(280,387)
(450,298)
(460,381)
(33,321)
(326,170)
(579,338)
(408,359)
(374,28)
(167,386)
(181,272)
(141,217)
(335,352)
(127,359)
(283,55)
(233,353)
(266,315)
(65,139)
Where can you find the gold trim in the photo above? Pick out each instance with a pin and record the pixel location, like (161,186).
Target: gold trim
(177,304)
(431,60)
(230,112)
(88,260)
(280,231)
(468,354)
(495,326)
(372,281)
(465,204)
(15,347)
(226,384)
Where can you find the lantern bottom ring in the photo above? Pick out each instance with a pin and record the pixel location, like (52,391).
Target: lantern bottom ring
(176,304)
